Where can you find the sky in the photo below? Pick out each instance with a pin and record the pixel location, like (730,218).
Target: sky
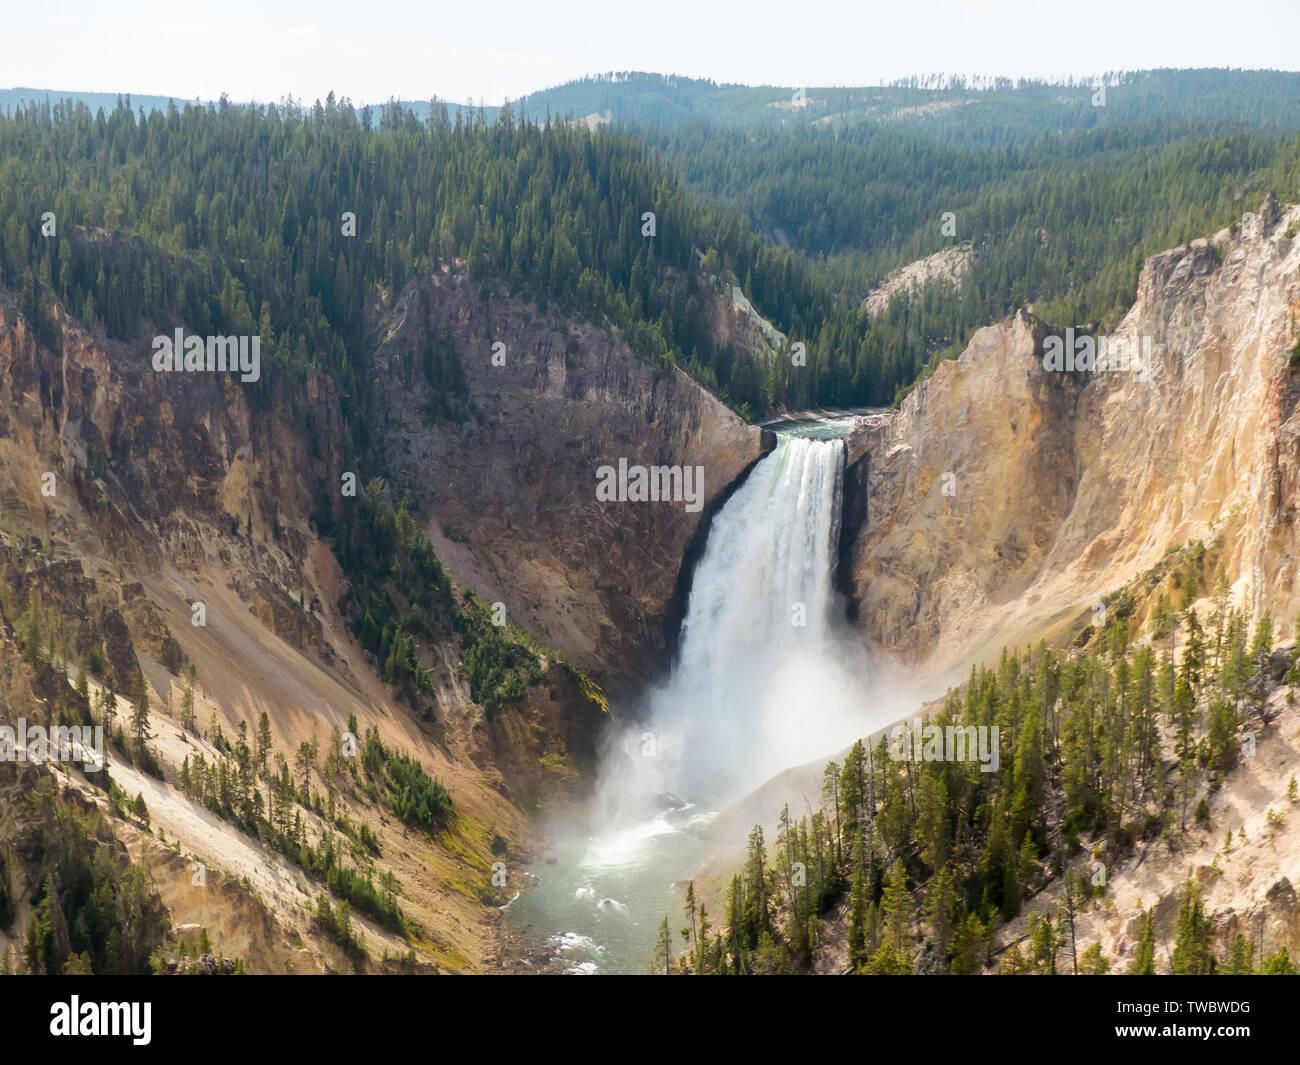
(496,49)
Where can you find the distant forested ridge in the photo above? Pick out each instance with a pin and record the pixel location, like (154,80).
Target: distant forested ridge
(963,110)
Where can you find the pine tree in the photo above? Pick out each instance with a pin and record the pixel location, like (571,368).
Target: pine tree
(140,716)
(263,741)
(892,957)
(969,945)
(831,802)
(705,961)
(1045,943)
(187,707)
(83,694)
(689,910)
(1067,923)
(1279,964)
(1236,961)
(1192,936)
(1094,962)
(664,947)
(859,904)
(939,901)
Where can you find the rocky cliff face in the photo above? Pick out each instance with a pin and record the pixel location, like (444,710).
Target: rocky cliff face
(949,265)
(128,469)
(127,495)
(1065,485)
(502,455)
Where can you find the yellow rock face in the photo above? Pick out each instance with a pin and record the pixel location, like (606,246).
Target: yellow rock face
(1064,485)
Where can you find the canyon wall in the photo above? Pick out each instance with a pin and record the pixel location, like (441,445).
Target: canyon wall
(502,458)
(127,495)
(1003,498)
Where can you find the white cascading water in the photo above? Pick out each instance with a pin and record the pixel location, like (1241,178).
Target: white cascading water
(764,678)
(767,677)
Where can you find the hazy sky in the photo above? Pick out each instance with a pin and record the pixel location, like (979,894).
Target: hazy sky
(264,49)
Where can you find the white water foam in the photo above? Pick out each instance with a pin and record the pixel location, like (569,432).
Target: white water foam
(767,676)
(752,692)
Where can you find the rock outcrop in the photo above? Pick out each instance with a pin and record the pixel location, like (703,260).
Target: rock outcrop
(949,265)
(1003,496)
(502,456)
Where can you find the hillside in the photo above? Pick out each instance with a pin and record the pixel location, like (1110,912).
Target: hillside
(100,579)
(1068,484)
(973,111)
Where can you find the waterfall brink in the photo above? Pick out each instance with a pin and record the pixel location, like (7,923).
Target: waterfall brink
(767,676)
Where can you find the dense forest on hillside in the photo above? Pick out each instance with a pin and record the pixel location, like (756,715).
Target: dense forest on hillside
(1103,748)
(231,221)
(1065,223)
(882,193)
(94,912)
(967,110)
(401,601)
(235,220)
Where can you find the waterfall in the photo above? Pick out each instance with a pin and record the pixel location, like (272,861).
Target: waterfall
(766,676)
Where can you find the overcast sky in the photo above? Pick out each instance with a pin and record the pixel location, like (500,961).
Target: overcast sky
(491,49)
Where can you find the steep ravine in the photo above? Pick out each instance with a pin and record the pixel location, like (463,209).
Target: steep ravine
(173,489)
